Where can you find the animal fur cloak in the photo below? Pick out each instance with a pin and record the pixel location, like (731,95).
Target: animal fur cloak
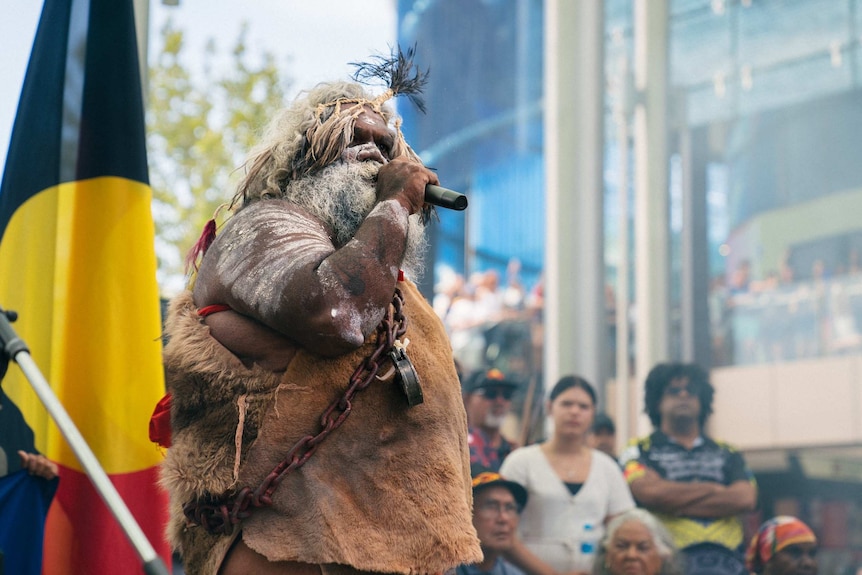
(388,491)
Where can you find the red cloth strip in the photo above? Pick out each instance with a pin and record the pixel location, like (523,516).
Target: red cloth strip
(211,309)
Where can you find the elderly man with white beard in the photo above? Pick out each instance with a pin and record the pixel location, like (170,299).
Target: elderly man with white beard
(315,411)
(488,400)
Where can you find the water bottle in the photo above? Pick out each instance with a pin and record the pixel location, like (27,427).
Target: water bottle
(589,541)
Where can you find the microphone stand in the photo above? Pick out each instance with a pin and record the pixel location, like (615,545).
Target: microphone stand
(12,347)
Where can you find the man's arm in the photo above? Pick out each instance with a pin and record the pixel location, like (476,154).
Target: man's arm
(695,499)
(738,497)
(671,497)
(276,263)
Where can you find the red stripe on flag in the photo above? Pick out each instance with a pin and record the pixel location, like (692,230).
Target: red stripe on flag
(96,543)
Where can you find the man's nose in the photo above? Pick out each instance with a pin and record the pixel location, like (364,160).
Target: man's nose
(809,561)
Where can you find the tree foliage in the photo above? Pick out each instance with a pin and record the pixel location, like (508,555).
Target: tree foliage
(199,128)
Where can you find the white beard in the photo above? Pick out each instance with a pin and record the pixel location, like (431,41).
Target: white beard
(342,195)
(494,421)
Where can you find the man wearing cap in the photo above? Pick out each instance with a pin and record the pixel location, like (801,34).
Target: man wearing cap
(488,401)
(497,505)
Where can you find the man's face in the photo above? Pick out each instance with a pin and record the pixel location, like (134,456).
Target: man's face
(495,517)
(605,440)
(373,140)
(679,401)
(343,193)
(799,559)
(488,406)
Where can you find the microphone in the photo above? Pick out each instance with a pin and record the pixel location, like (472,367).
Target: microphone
(437,196)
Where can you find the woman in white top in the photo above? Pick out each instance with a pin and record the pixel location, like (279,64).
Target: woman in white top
(574,490)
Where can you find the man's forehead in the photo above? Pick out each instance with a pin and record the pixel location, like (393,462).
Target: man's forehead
(370,117)
(496,387)
(496,492)
(356,108)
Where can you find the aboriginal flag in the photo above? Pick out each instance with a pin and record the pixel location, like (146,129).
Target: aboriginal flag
(77,262)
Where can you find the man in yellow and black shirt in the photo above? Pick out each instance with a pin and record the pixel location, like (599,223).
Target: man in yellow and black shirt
(698,487)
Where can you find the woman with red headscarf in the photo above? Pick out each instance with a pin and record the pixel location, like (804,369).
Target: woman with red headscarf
(783,545)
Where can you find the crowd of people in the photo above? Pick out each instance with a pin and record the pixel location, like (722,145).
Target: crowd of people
(671,503)
(785,314)
(782,316)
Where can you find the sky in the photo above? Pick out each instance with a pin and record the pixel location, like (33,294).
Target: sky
(314,41)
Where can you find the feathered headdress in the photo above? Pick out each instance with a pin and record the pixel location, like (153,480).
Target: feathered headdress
(398,73)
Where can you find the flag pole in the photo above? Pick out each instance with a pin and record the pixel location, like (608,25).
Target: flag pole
(12,347)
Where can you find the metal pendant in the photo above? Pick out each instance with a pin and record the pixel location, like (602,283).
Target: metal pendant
(406,375)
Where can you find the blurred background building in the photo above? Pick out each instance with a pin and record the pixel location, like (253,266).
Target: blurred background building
(729,180)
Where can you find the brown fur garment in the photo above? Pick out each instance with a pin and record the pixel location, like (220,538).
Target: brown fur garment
(207,383)
(388,491)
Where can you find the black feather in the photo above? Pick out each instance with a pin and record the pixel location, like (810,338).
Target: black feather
(398,72)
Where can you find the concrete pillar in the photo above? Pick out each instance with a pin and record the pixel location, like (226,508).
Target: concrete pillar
(575,331)
(696,333)
(651,225)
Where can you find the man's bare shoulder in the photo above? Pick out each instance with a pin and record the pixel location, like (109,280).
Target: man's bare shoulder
(272,224)
(272,238)
(273,210)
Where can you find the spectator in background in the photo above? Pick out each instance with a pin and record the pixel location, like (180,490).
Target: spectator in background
(574,489)
(488,295)
(604,435)
(488,400)
(637,543)
(740,280)
(853,262)
(535,299)
(28,481)
(783,545)
(696,486)
(445,294)
(17,444)
(514,293)
(786,273)
(497,505)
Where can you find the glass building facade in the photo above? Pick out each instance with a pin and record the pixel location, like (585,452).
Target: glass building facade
(771,90)
(766,90)
(483,131)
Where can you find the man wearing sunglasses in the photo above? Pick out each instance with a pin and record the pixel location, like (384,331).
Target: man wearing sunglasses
(488,400)
(698,487)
